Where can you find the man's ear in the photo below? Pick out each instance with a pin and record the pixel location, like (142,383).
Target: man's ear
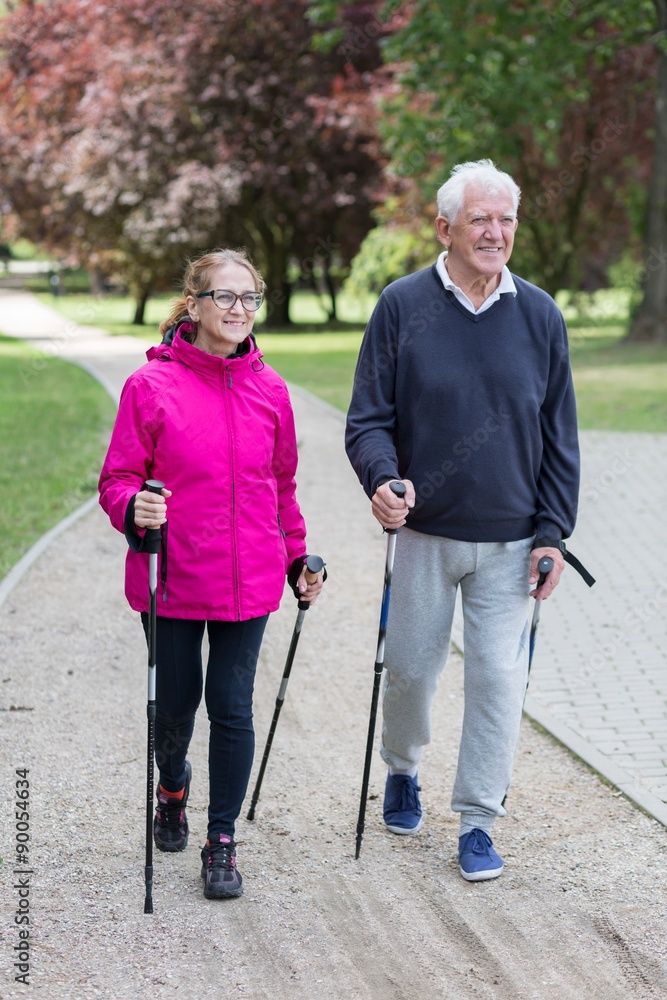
(443,230)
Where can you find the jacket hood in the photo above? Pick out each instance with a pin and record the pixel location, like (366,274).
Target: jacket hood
(174,348)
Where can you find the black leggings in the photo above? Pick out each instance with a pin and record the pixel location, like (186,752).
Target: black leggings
(230,675)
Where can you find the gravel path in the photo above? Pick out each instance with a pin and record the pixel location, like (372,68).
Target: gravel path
(579,913)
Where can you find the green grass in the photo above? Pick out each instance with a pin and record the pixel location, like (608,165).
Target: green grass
(620,386)
(55,421)
(323,363)
(111,313)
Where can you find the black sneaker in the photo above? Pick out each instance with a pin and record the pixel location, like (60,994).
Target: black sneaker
(170,826)
(222,880)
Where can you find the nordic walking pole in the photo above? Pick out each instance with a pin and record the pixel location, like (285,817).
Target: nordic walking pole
(544,566)
(399,490)
(313,566)
(152,544)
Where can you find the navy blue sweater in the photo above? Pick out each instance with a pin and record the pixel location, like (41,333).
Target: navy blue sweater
(478,411)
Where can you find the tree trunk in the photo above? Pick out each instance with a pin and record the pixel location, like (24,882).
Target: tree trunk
(649,323)
(96,281)
(141,297)
(276,258)
(278,295)
(330,286)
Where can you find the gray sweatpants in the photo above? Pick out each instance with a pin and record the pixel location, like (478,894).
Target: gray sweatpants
(493,577)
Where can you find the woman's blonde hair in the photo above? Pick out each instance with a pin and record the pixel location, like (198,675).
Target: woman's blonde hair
(196,279)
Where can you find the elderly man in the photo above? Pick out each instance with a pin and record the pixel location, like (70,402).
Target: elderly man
(463,392)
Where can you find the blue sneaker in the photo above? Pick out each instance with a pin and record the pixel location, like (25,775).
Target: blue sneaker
(402,808)
(477,858)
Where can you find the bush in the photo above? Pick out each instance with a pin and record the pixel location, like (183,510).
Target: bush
(388,252)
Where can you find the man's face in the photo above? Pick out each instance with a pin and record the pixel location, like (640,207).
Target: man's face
(480,242)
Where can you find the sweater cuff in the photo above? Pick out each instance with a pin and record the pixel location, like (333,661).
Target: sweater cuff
(548,529)
(381,480)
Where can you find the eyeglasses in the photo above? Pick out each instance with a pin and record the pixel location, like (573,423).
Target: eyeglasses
(225,299)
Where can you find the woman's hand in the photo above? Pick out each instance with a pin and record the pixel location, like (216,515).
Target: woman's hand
(150,509)
(309,591)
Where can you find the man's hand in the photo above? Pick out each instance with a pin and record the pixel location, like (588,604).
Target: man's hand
(391,511)
(551,582)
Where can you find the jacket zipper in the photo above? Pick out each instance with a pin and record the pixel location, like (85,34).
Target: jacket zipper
(235,574)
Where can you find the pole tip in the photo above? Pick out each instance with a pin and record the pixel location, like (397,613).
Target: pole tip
(148,905)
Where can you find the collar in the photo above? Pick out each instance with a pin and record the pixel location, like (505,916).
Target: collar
(209,365)
(506,286)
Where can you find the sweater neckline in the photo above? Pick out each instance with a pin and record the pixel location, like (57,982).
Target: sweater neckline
(451,298)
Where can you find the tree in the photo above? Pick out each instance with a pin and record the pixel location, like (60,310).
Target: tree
(220,127)
(650,320)
(556,93)
(100,162)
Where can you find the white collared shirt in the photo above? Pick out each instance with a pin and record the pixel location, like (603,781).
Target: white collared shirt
(506,285)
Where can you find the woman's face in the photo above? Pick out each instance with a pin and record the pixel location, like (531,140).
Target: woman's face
(221,330)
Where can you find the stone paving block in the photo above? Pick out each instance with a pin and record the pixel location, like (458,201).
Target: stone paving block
(612,747)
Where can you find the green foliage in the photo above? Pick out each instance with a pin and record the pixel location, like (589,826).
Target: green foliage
(133,156)
(25,250)
(558,93)
(55,421)
(389,252)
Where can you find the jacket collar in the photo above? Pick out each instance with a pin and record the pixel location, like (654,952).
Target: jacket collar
(174,348)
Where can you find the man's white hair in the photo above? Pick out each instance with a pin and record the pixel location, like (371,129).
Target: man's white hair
(479,173)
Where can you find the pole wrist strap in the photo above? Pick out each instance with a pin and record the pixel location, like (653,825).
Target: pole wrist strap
(146,543)
(558,543)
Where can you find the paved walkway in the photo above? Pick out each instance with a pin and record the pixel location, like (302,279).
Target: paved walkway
(599,682)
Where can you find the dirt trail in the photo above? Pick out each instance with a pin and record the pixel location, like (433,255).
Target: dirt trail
(579,913)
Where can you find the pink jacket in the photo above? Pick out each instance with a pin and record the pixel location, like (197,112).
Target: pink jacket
(219,433)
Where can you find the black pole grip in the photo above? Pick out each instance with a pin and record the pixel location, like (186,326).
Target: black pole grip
(153,536)
(399,490)
(544,566)
(313,566)
(153,486)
